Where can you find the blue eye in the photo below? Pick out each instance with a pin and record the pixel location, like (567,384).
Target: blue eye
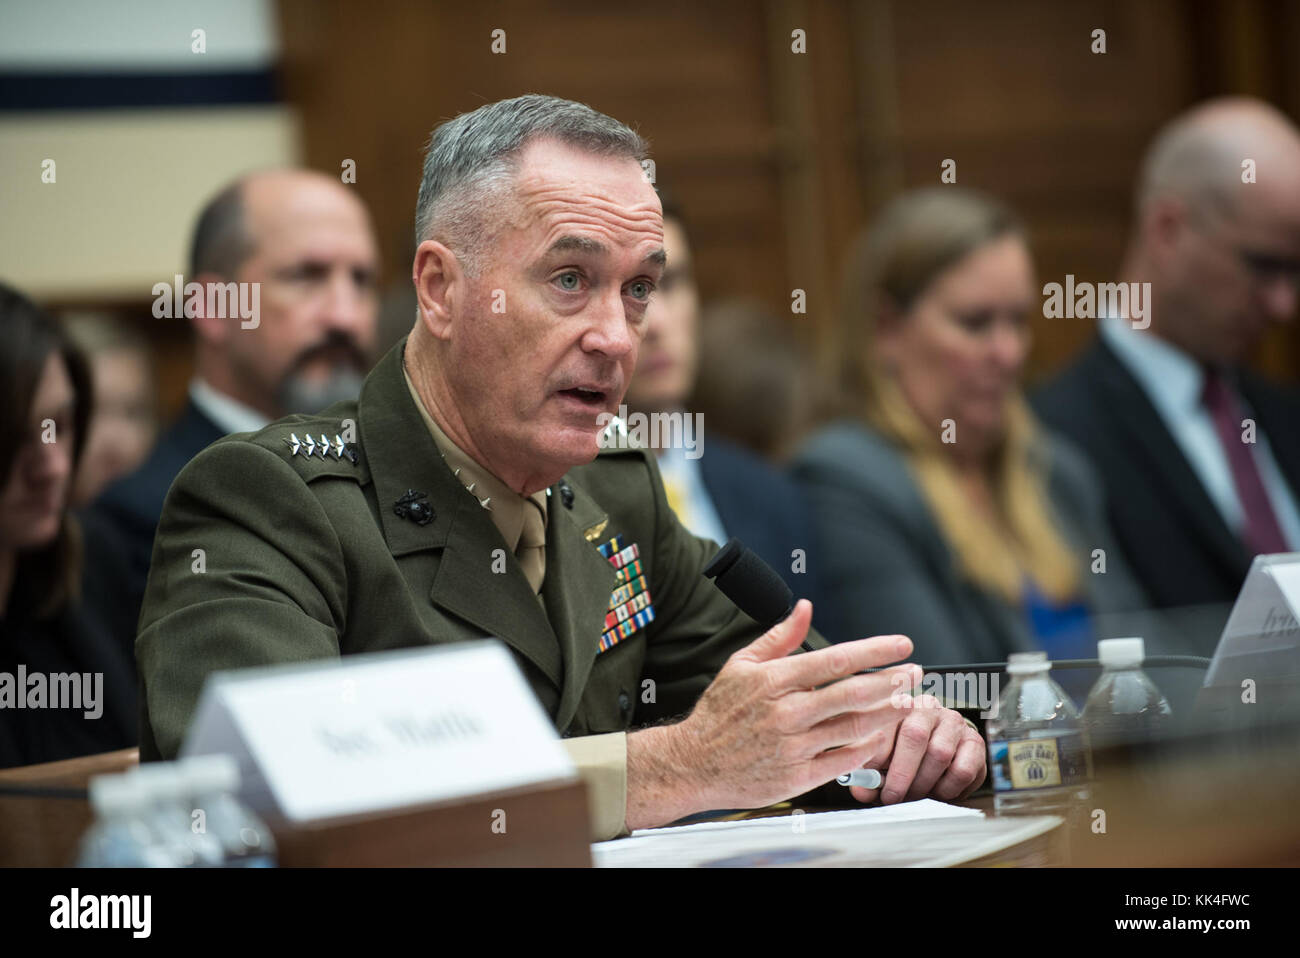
(641,289)
(567,287)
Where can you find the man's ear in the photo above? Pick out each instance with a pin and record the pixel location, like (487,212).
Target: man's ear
(210,328)
(1164,223)
(440,287)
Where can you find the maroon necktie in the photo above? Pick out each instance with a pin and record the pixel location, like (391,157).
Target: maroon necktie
(1261,533)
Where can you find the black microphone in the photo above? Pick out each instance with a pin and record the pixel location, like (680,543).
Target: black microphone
(754,586)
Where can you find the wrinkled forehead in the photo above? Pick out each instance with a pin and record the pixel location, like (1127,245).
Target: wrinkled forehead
(561,189)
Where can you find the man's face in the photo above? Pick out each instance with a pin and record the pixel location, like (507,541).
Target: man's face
(317,264)
(122,427)
(547,338)
(1235,274)
(665,371)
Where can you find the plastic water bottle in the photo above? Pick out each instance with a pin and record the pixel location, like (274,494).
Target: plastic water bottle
(120,836)
(169,815)
(1124,707)
(1038,755)
(213,781)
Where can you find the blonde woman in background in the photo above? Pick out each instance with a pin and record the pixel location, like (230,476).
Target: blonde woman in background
(945,511)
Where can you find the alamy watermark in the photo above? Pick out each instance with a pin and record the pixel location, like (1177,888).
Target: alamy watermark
(1131,301)
(77,911)
(956,690)
(55,690)
(179,299)
(659,430)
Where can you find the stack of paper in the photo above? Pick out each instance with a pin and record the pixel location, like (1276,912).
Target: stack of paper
(924,833)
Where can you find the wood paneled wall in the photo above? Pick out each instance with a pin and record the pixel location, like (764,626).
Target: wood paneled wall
(778,157)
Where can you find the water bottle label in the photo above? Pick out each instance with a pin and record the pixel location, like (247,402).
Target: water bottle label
(1045,762)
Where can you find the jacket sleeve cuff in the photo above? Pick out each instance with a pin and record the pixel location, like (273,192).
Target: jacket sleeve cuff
(602,765)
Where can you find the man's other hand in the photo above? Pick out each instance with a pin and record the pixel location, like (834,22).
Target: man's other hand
(774,725)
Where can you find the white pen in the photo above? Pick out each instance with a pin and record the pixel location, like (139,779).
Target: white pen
(862,777)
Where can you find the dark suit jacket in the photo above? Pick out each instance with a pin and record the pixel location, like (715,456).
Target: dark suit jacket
(1175,539)
(893,571)
(77,639)
(766,510)
(127,512)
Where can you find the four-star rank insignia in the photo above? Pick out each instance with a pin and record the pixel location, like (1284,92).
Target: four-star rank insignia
(312,445)
(630,606)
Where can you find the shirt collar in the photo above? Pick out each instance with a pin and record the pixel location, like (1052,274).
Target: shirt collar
(227,414)
(1172,379)
(504,505)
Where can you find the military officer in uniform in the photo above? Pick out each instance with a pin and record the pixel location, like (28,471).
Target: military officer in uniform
(466,493)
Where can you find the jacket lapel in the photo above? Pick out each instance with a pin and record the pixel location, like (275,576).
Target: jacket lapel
(502,604)
(576,590)
(403,456)
(1131,412)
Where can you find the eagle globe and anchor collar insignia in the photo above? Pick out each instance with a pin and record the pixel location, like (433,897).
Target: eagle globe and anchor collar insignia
(414,506)
(310,446)
(566,493)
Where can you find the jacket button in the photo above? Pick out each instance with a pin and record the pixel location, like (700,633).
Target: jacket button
(624,703)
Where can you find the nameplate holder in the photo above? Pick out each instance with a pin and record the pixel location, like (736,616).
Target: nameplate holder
(1261,640)
(380,732)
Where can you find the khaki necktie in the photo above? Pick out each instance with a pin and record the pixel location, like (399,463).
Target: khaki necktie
(531,551)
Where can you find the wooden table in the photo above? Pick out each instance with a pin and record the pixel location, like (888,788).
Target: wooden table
(44,828)
(44,811)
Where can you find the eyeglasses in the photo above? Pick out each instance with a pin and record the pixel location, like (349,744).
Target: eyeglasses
(1264,268)
(1267,268)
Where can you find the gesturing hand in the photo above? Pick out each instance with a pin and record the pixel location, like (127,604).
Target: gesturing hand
(772,726)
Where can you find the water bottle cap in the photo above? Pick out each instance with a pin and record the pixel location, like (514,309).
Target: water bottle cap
(110,794)
(156,780)
(1021,663)
(1121,653)
(211,773)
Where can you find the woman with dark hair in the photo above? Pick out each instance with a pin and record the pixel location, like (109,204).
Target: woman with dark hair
(66,689)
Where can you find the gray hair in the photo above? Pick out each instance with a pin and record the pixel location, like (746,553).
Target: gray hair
(471,161)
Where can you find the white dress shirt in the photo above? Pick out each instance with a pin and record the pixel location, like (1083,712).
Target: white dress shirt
(228,415)
(1173,381)
(696,509)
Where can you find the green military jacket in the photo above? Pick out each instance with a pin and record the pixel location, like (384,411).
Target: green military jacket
(311,555)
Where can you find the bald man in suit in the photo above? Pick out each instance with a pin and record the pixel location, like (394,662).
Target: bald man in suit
(1200,456)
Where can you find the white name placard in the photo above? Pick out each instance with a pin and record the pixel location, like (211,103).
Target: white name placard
(1262,637)
(379,731)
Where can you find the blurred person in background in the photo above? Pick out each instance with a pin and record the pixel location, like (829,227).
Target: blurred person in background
(307,241)
(719,490)
(51,639)
(1200,457)
(946,512)
(124,424)
(759,390)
